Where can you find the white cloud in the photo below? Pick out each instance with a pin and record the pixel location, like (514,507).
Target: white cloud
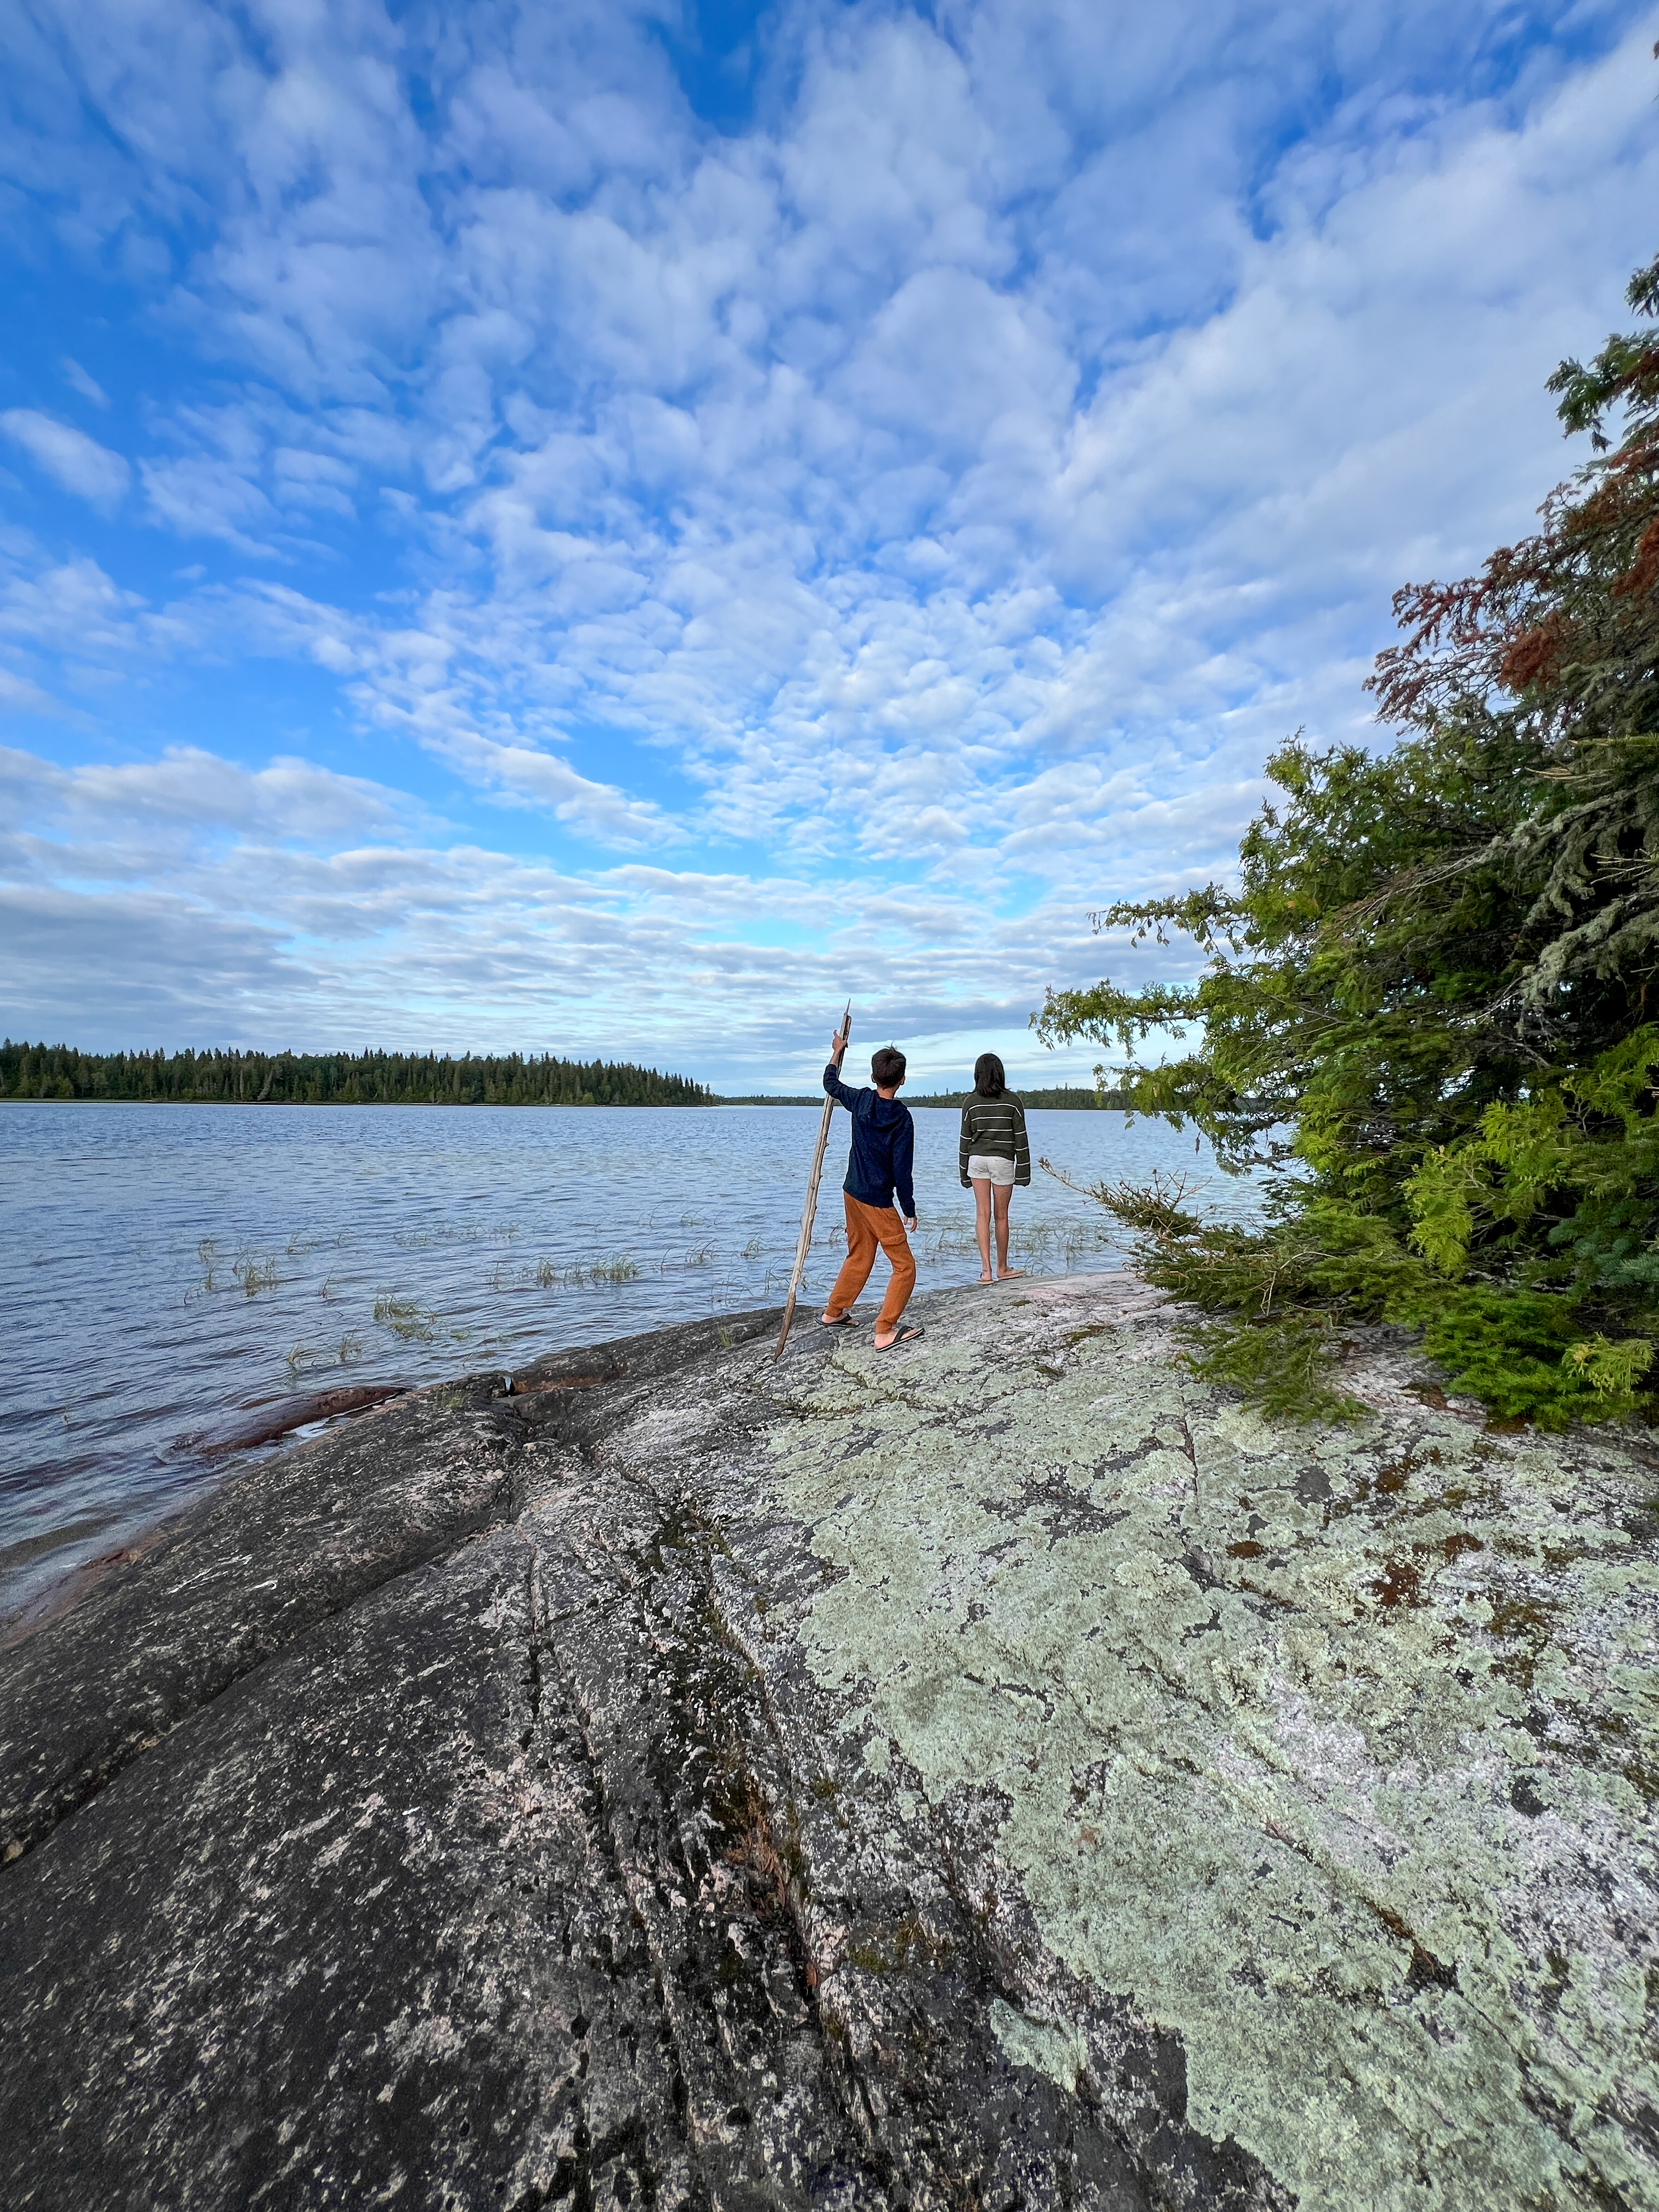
(67,456)
(83,382)
(125,806)
(18,695)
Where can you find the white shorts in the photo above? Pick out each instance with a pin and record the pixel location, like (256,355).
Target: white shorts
(987,1167)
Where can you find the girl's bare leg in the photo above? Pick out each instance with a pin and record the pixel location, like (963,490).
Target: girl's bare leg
(982,1227)
(1003,1193)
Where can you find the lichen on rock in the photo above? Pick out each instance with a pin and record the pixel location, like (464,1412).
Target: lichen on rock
(1329,1750)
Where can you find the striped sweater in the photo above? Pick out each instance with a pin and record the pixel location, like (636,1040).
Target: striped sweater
(995,1128)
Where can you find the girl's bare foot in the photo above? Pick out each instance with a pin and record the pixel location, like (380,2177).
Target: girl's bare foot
(1009,1273)
(987,1279)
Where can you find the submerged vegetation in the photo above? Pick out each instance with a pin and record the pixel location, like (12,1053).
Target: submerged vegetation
(1438,968)
(405,1318)
(364,1079)
(548,1275)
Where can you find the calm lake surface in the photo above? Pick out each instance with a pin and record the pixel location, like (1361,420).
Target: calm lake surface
(166,1266)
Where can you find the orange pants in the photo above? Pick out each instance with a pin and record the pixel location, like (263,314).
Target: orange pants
(868,1226)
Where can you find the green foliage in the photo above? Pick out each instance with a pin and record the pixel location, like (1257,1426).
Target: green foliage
(377,1079)
(1436,972)
(1282,1366)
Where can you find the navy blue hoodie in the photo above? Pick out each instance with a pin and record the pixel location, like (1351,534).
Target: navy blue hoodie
(884,1146)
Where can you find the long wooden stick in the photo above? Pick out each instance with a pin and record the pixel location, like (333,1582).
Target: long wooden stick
(805,1244)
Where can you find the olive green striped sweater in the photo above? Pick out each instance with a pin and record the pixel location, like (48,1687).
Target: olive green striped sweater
(995,1128)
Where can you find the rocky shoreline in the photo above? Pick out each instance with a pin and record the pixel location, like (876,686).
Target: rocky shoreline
(1001,1773)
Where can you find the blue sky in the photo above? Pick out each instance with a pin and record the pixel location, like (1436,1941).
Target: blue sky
(610,528)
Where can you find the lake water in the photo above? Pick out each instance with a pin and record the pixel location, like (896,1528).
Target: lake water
(164,1266)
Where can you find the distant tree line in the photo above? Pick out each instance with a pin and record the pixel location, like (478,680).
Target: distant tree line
(1064,1097)
(1060,1096)
(337,1078)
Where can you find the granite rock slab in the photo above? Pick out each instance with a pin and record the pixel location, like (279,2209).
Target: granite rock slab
(999,1772)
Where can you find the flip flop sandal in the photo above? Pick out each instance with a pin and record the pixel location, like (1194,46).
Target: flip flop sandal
(841,1320)
(904,1336)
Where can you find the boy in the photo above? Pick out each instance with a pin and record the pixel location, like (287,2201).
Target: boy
(883,1155)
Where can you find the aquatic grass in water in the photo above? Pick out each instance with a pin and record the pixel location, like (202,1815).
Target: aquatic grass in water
(465,1232)
(302,1357)
(405,1318)
(547,1276)
(254,1274)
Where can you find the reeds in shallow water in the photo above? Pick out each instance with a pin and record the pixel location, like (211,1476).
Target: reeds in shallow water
(405,1318)
(255,1275)
(346,1353)
(548,1276)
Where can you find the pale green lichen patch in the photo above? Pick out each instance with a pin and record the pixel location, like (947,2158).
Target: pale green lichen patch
(1059,2052)
(1329,1751)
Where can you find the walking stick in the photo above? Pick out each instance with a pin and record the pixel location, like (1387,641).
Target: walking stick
(812,1205)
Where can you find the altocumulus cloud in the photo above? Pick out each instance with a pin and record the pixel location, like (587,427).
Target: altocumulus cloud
(576,536)
(71,458)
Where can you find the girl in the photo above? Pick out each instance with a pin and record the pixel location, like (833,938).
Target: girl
(993,1156)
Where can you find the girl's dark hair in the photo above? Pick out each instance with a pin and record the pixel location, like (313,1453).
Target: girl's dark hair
(990,1078)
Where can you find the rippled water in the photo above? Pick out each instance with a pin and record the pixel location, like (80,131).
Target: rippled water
(165,1265)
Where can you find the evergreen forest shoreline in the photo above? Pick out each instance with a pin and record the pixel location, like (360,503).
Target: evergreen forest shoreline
(62,1073)
(365,1078)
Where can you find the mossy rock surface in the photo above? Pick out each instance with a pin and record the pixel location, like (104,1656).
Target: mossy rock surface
(1000,1772)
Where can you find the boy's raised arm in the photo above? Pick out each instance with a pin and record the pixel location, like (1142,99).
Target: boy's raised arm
(836,1088)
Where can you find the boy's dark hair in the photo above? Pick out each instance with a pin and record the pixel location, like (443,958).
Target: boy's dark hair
(990,1078)
(887,1067)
